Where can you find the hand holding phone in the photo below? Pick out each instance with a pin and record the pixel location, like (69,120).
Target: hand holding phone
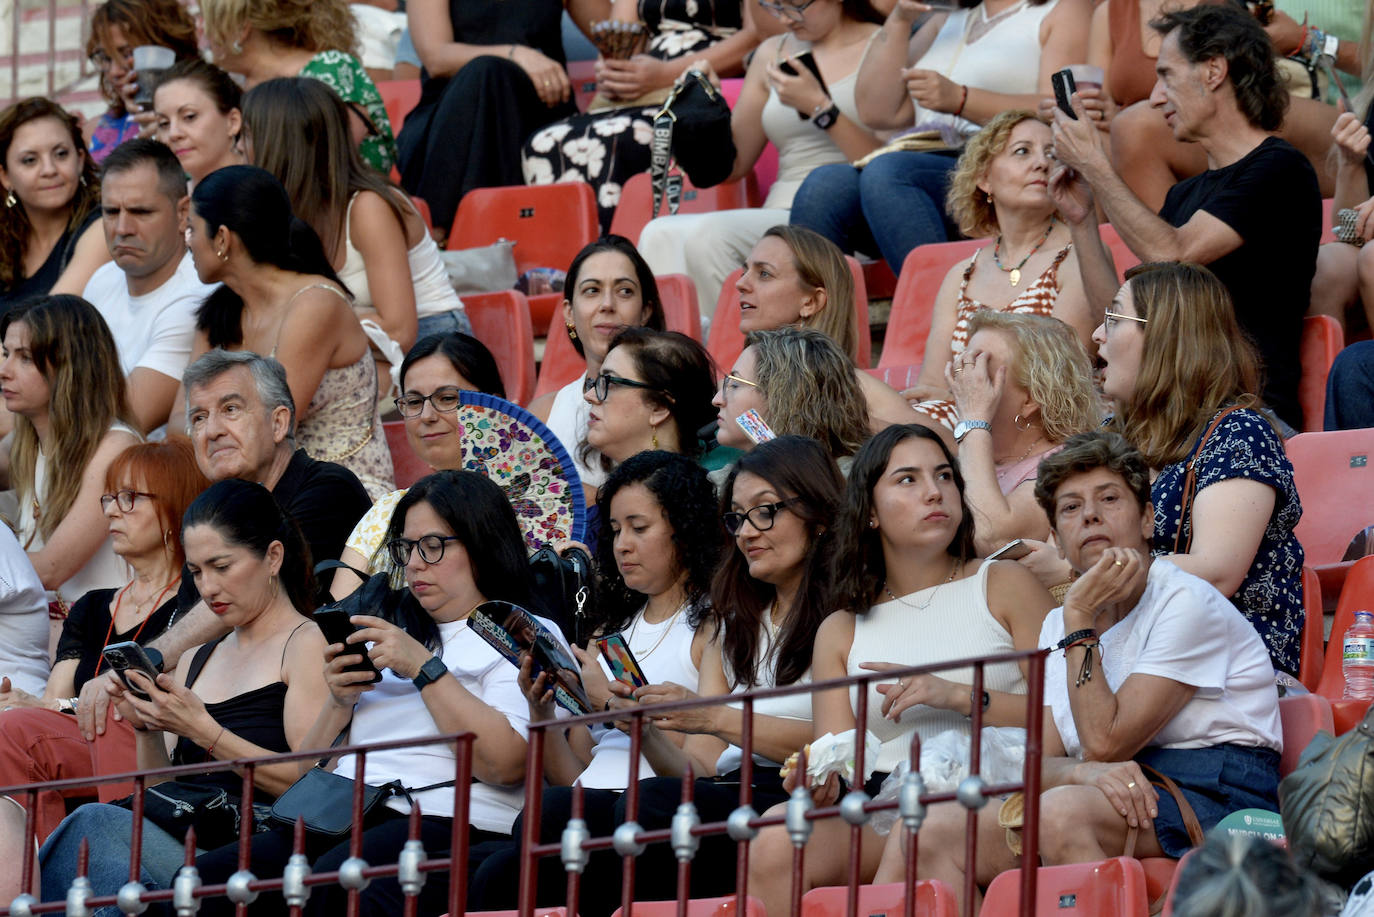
(337,628)
(1012,550)
(128,655)
(1064,88)
(621,661)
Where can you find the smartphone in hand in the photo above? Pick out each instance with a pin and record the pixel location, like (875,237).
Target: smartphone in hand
(1064,88)
(334,624)
(622,662)
(128,655)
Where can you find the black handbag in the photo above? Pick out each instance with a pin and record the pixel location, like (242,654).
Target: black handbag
(1327,805)
(176,806)
(693,128)
(564,587)
(324,800)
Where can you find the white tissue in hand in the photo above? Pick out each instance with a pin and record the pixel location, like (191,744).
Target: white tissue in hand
(834,754)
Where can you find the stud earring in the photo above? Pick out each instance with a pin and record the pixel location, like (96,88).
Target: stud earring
(10,199)
(83,181)
(989,197)
(236,47)
(572,332)
(221,254)
(653,444)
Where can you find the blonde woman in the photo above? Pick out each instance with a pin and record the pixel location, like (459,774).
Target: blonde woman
(61,379)
(1022,386)
(262,39)
(999,191)
(800,382)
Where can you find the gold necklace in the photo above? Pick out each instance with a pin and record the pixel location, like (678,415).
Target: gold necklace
(667,629)
(1014,274)
(1024,455)
(958,565)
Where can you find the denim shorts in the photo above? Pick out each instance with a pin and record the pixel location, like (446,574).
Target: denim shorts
(443,323)
(1216,781)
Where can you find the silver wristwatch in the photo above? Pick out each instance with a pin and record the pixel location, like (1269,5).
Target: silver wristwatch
(965,427)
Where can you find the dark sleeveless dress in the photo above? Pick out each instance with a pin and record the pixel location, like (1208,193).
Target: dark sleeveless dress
(467,130)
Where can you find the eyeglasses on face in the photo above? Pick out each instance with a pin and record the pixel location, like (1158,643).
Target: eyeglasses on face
(431,548)
(761,517)
(102,61)
(601,386)
(124,498)
(445,399)
(787,10)
(1109,320)
(726,388)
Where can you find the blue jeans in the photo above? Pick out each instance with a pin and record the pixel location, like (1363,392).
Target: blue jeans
(891,206)
(1350,389)
(109,830)
(443,323)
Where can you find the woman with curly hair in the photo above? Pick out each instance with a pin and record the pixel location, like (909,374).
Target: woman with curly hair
(62,381)
(117,27)
(52,201)
(799,382)
(1022,387)
(999,189)
(655,570)
(262,39)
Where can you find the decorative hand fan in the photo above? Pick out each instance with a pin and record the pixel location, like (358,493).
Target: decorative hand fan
(513,448)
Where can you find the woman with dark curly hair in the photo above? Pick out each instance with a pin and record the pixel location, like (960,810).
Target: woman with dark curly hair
(117,27)
(52,202)
(655,570)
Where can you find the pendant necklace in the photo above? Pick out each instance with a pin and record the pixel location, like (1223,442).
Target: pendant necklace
(958,565)
(1014,275)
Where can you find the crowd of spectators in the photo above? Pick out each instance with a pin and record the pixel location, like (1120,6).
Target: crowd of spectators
(194,392)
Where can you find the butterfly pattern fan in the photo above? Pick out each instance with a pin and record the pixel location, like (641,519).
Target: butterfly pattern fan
(513,448)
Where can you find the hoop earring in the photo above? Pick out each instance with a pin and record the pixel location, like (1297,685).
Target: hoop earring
(10,199)
(572,332)
(167,540)
(1017,423)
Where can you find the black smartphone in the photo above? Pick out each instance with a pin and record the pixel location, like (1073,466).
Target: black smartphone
(121,657)
(334,624)
(807,60)
(624,665)
(1012,550)
(1064,88)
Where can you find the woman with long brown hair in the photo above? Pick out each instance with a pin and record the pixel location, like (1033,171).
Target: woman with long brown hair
(52,199)
(1182,377)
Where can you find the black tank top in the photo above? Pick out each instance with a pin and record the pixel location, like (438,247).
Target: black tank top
(256,716)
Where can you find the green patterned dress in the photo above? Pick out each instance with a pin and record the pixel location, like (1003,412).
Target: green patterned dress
(346,76)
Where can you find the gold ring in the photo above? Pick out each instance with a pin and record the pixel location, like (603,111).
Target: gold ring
(1131,785)
(1120,564)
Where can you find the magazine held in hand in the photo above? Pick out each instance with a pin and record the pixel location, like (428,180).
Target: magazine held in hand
(511,630)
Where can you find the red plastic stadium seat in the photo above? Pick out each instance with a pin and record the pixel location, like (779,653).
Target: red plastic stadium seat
(1123,256)
(1322,339)
(548,223)
(933,899)
(637,202)
(1303,716)
(502,321)
(1109,888)
(408,466)
(696,907)
(913,301)
(400,97)
(1336,484)
(681,311)
(879,279)
(1358,595)
(726,340)
(1313,651)
(582,75)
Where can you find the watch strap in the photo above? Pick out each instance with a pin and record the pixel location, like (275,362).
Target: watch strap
(430,672)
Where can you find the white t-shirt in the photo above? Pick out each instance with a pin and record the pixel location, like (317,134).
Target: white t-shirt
(156,330)
(664,652)
(1184,629)
(23,618)
(393,709)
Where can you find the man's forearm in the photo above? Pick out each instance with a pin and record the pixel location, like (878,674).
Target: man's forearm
(197,626)
(1145,234)
(1095,266)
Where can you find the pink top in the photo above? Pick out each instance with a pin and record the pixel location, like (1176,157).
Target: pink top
(1013,476)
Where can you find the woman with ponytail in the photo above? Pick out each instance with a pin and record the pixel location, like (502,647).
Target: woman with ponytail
(281,298)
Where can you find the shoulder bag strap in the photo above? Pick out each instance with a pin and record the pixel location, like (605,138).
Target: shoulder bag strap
(1196,836)
(1182,544)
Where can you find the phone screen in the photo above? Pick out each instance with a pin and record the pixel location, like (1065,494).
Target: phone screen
(622,662)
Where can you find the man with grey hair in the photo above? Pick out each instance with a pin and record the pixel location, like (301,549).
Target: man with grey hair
(241,420)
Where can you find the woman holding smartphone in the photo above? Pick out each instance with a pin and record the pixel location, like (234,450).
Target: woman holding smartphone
(655,578)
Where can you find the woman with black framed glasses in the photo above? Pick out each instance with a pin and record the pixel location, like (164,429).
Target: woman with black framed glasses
(457,539)
(654,391)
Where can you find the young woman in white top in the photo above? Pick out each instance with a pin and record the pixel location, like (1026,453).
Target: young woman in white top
(1152,666)
(61,379)
(608,287)
(780,503)
(298,129)
(905,554)
(655,565)
(810,124)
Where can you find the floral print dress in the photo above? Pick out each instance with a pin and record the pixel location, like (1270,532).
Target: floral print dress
(1245,445)
(606,148)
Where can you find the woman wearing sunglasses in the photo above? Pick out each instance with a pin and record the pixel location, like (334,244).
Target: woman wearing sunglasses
(1182,378)
(455,536)
(654,391)
(779,503)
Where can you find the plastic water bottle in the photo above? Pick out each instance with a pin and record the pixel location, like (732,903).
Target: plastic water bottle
(1357,657)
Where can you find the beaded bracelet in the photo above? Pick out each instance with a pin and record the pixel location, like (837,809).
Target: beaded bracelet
(1075,637)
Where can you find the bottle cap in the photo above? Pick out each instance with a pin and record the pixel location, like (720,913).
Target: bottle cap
(1366,616)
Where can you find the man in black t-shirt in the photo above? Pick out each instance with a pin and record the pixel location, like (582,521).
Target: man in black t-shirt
(1254,217)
